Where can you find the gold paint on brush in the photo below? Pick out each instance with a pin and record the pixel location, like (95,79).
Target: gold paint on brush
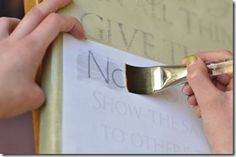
(149,80)
(190,59)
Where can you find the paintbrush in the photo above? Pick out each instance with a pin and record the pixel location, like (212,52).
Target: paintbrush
(149,80)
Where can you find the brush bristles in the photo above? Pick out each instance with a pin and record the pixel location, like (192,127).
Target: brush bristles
(139,80)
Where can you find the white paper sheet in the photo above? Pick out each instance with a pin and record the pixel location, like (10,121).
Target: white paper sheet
(100,116)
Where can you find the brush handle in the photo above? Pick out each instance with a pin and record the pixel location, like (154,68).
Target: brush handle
(220,67)
(215,68)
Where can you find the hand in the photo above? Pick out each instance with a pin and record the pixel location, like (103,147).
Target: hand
(22,48)
(212,99)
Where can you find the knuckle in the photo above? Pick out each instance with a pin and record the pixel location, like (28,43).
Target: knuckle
(35,12)
(193,73)
(54,18)
(193,78)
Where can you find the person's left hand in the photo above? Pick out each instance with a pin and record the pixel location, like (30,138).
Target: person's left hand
(22,48)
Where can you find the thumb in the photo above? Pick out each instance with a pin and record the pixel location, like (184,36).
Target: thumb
(199,80)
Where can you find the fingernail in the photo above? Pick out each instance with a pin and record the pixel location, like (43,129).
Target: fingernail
(79,33)
(84,37)
(190,60)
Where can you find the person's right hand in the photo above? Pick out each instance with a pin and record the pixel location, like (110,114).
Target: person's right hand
(212,99)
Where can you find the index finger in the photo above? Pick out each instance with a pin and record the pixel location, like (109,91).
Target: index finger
(46,32)
(218,55)
(215,55)
(34,17)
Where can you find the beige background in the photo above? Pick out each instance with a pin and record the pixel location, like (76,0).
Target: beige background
(163,30)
